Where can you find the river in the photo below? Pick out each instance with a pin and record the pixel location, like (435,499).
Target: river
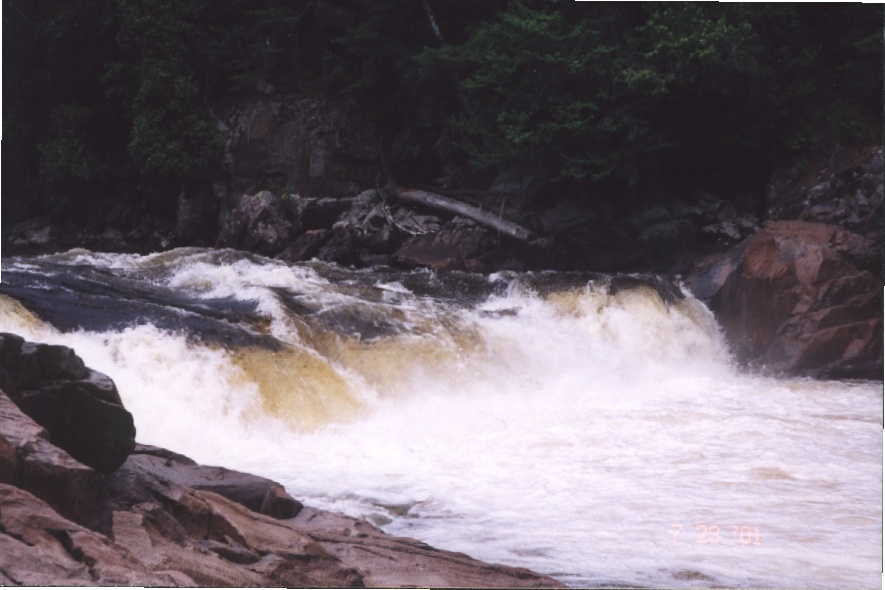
(588,427)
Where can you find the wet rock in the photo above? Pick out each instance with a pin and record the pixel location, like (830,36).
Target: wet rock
(80,408)
(28,460)
(217,541)
(259,223)
(455,247)
(256,493)
(340,247)
(800,298)
(163,520)
(664,286)
(87,298)
(306,246)
(39,547)
(398,561)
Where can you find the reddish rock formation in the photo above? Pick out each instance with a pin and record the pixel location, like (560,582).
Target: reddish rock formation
(80,408)
(800,298)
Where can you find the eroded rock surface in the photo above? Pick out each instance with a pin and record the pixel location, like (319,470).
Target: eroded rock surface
(800,298)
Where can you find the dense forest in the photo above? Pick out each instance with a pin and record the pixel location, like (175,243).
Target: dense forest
(114,99)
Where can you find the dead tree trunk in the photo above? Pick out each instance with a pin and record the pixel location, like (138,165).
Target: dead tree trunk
(449,205)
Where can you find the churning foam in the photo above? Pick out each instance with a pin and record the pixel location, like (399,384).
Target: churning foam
(598,438)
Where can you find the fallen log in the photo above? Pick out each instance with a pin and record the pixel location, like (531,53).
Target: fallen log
(450,205)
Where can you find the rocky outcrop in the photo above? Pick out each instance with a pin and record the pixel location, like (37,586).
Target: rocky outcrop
(844,189)
(39,547)
(28,460)
(161,519)
(80,408)
(800,298)
(457,246)
(255,493)
(297,143)
(42,235)
(258,222)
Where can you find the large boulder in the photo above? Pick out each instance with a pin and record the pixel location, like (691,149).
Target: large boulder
(80,408)
(257,222)
(316,213)
(256,493)
(800,298)
(28,460)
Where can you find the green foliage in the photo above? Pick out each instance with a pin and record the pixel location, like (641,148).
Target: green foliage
(110,93)
(66,156)
(615,93)
(532,85)
(170,133)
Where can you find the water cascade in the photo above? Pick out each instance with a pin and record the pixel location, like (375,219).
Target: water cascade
(588,427)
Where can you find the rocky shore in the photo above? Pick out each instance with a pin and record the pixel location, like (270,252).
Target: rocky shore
(81,503)
(793,270)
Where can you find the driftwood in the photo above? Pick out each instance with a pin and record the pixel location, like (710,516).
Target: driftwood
(450,205)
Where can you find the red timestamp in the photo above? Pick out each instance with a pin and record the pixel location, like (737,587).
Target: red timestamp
(712,534)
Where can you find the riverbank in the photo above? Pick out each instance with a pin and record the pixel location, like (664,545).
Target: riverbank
(569,423)
(153,517)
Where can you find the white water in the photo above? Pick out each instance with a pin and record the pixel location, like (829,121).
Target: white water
(597,439)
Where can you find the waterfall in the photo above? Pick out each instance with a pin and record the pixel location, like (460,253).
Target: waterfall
(548,420)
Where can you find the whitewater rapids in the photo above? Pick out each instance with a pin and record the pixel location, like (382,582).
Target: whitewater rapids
(542,420)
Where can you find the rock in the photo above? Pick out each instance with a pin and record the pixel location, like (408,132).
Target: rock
(258,222)
(448,249)
(313,213)
(340,247)
(666,288)
(141,449)
(256,493)
(38,547)
(844,189)
(372,229)
(32,235)
(370,222)
(163,520)
(399,561)
(307,145)
(800,298)
(567,215)
(80,408)
(28,460)
(216,541)
(306,246)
